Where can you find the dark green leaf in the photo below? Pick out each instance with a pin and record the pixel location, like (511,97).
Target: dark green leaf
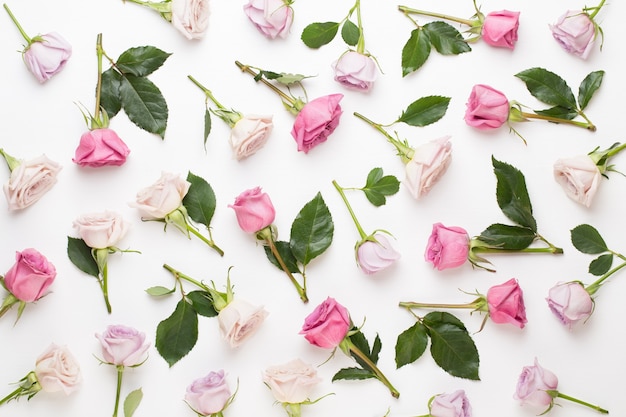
(350,33)
(588,87)
(446,39)
(270,75)
(132,401)
(312,230)
(319,34)
(512,195)
(548,87)
(453,350)
(141,61)
(144,104)
(284,250)
(601,264)
(558,112)
(507,237)
(199,200)
(353,373)
(378,186)
(207,126)
(202,302)
(159,291)
(587,239)
(415,51)
(376,347)
(360,341)
(177,334)
(439,317)
(411,344)
(110,99)
(425,111)
(80,255)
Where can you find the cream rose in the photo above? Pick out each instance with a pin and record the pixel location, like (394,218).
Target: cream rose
(239,320)
(249,135)
(191,17)
(579,177)
(57,370)
(29,181)
(291,382)
(427,166)
(101,230)
(162,197)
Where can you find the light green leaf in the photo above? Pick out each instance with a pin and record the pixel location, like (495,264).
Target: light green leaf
(587,239)
(318,34)
(601,264)
(141,61)
(132,401)
(80,255)
(588,87)
(425,111)
(200,200)
(311,231)
(177,334)
(288,78)
(144,104)
(110,99)
(415,51)
(350,33)
(507,237)
(158,291)
(446,39)
(548,87)
(353,374)
(512,195)
(411,344)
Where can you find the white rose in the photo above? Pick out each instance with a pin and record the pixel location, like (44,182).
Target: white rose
(57,370)
(291,382)
(191,17)
(250,134)
(579,177)
(101,230)
(427,166)
(239,320)
(29,181)
(162,197)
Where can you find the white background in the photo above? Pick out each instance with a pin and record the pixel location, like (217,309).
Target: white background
(45,118)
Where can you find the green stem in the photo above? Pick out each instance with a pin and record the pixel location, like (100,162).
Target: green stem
(360,46)
(595,9)
(610,153)
(101,256)
(118,390)
(372,367)
(282,94)
(209,241)
(407,10)
(585,125)
(555,393)
(405,152)
(207,92)
(19,27)
(14,394)
(179,275)
(553,250)
(354,219)
(593,287)
(96,113)
(410,305)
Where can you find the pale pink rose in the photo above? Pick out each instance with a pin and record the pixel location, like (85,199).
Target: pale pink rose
(575,32)
(29,181)
(254,210)
(455,404)
(208,395)
(271,17)
(249,135)
(500,28)
(532,385)
(356,71)
(447,247)
(316,121)
(375,256)
(123,345)
(327,325)
(101,230)
(48,56)
(57,370)
(506,303)
(291,382)
(579,177)
(162,197)
(30,276)
(430,161)
(100,147)
(487,108)
(239,320)
(570,303)
(191,17)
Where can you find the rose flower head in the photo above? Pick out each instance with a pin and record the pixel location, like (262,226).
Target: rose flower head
(448,247)
(487,108)
(500,28)
(291,382)
(254,210)
(506,303)
(209,395)
(316,121)
(355,70)
(570,302)
(273,18)
(327,325)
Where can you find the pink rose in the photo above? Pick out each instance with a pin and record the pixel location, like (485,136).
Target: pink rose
(239,320)
(123,345)
(506,303)
(447,247)
(428,164)
(570,302)
(355,70)
(249,135)
(29,181)
(208,395)
(532,385)
(579,177)
(30,276)
(254,210)
(487,108)
(576,32)
(455,404)
(162,197)
(291,382)
(190,17)
(57,370)
(271,17)
(101,230)
(316,121)
(500,28)
(374,256)
(327,325)
(100,147)
(47,56)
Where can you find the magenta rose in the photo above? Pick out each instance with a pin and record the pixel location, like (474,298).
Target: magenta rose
(316,121)
(254,210)
(447,247)
(500,28)
(532,385)
(356,71)
(375,256)
(123,346)
(30,276)
(327,325)
(576,32)
(506,304)
(487,108)
(208,395)
(570,302)
(47,57)
(273,18)
(100,147)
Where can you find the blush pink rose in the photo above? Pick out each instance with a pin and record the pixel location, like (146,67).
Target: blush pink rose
(30,276)
(376,256)
(254,210)
(273,18)
(356,71)
(292,382)
(532,385)
(29,181)
(327,325)
(506,304)
(101,230)
(428,164)
(447,247)
(57,370)
(162,197)
(500,28)
(316,121)
(239,320)
(48,56)
(123,345)
(191,17)
(209,395)
(579,177)
(100,147)
(455,404)
(249,135)
(570,303)
(487,108)
(575,32)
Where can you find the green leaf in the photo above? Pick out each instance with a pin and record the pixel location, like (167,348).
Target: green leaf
(425,111)
(318,34)
(415,51)
(443,317)
(411,344)
(284,250)
(141,61)
(110,99)
(80,255)
(159,290)
(132,401)
(199,200)
(601,264)
(177,334)
(588,87)
(350,33)
(144,104)
(587,239)
(507,237)
(312,230)
(558,112)
(288,78)
(512,195)
(359,340)
(202,302)
(353,373)
(548,87)
(446,39)
(378,186)
(207,126)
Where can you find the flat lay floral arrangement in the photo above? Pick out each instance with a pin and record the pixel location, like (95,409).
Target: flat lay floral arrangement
(275,207)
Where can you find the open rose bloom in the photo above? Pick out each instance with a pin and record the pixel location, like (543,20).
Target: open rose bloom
(327,325)
(57,370)
(532,385)
(273,18)
(249,135)
(239,320)
(190,17)
(209,395)
(579,177)
(316,121)
(29,181)
(292,382)
(428,164)
(101,230)
(576,32)
(123,345)
(454,404)
(30,276)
